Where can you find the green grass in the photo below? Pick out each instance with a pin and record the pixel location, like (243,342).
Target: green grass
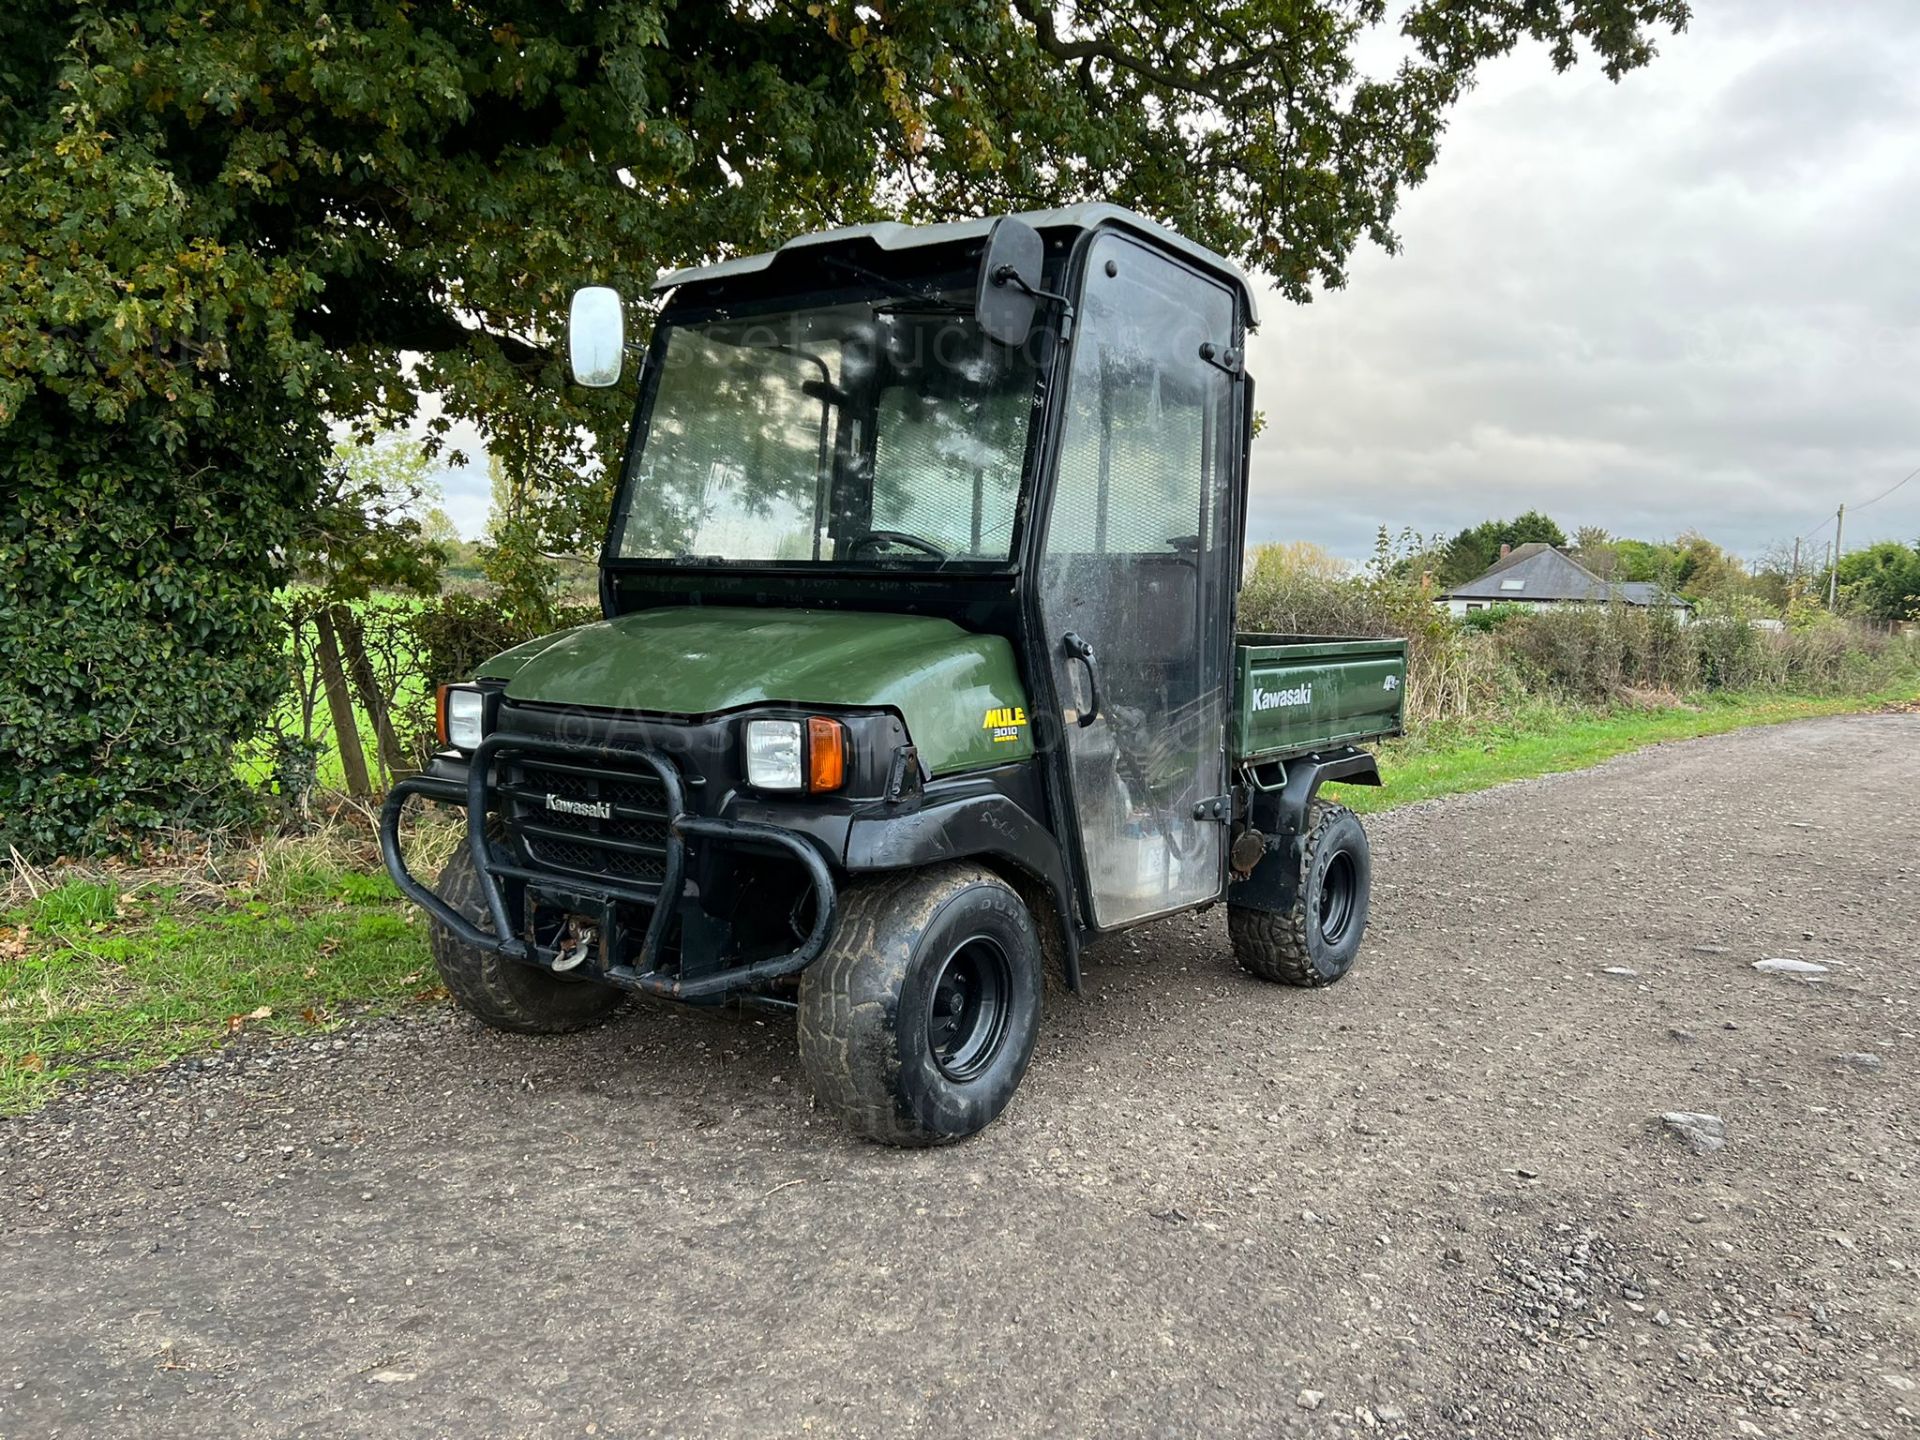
(93,980)
(1545,740)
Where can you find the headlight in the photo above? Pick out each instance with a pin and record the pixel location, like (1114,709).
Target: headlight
(462,715)
(774,755)
(792,755)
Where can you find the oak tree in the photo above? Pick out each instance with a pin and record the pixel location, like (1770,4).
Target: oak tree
(227,224)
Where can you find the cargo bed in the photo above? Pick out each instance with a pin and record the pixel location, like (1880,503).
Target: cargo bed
(1301,693)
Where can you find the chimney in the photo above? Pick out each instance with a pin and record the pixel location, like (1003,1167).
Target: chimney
(1505,550)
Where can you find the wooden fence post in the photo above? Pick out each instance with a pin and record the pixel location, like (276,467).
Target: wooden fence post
(353,646)
(346,730)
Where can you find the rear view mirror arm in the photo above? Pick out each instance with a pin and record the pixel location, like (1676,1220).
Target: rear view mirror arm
(1007,275)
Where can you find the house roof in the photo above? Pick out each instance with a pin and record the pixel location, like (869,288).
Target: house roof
(1645,592)
(891,235)
(1538,572)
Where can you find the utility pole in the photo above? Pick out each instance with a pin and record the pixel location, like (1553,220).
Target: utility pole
(1833,571)
(1793,588)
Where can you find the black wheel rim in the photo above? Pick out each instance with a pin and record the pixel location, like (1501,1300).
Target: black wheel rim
(1339,889)
(967,1009)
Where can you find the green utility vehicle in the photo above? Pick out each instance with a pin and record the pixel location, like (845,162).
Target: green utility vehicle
(918,668)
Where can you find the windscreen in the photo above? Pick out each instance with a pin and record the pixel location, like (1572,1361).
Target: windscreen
(877,432)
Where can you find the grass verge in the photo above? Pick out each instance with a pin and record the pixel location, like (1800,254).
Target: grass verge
(1545,740)
(121,973)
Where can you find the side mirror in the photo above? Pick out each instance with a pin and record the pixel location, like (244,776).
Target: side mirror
(596,336)
(1008,291)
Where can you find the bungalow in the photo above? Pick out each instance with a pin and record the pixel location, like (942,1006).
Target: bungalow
(1537,575)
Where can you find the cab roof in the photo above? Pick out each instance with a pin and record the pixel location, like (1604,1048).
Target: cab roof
(892,235)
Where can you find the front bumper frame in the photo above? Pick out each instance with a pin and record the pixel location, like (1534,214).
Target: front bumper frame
(491,866)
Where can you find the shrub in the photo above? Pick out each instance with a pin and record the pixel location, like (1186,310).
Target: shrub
(138,639)
(458,633)
(1824,653)
(1493,617)
(1449,671)
(1730,652)
(1595,652)
(294,770)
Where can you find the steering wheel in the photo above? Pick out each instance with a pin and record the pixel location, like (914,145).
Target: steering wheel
(895,537)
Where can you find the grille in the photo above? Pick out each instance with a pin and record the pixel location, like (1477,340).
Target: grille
(629,842)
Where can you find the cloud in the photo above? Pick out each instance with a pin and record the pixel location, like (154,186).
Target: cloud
(1686,301)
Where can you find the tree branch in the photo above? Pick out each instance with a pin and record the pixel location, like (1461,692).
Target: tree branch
(1040,16)
(363,313)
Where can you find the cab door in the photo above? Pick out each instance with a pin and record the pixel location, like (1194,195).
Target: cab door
(1135,589)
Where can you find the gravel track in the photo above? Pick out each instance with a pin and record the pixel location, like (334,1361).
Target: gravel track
(1433,1200)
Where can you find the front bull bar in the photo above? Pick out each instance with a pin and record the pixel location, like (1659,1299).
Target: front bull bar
(643,973)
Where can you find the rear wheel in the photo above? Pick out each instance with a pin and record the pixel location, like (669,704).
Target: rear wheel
(918,1021)
(1315,940)
(507,994)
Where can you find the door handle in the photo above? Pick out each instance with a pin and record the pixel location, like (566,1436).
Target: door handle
(1078,649)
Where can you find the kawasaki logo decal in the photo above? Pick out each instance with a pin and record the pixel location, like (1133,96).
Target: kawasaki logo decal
(1282,699)
(592,809)
(1006,722)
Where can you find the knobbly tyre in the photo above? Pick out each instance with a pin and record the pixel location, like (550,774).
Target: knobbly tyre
(918,668)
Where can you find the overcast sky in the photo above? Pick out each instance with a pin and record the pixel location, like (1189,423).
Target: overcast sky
(1691,300)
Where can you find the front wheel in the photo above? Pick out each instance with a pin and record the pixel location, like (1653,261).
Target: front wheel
(919,1019)
(1314,941)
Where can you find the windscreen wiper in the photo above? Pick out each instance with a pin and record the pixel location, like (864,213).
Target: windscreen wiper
(927,298)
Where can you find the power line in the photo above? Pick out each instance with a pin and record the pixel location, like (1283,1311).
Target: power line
(1875,501)
(1890,489)
(1816,529)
